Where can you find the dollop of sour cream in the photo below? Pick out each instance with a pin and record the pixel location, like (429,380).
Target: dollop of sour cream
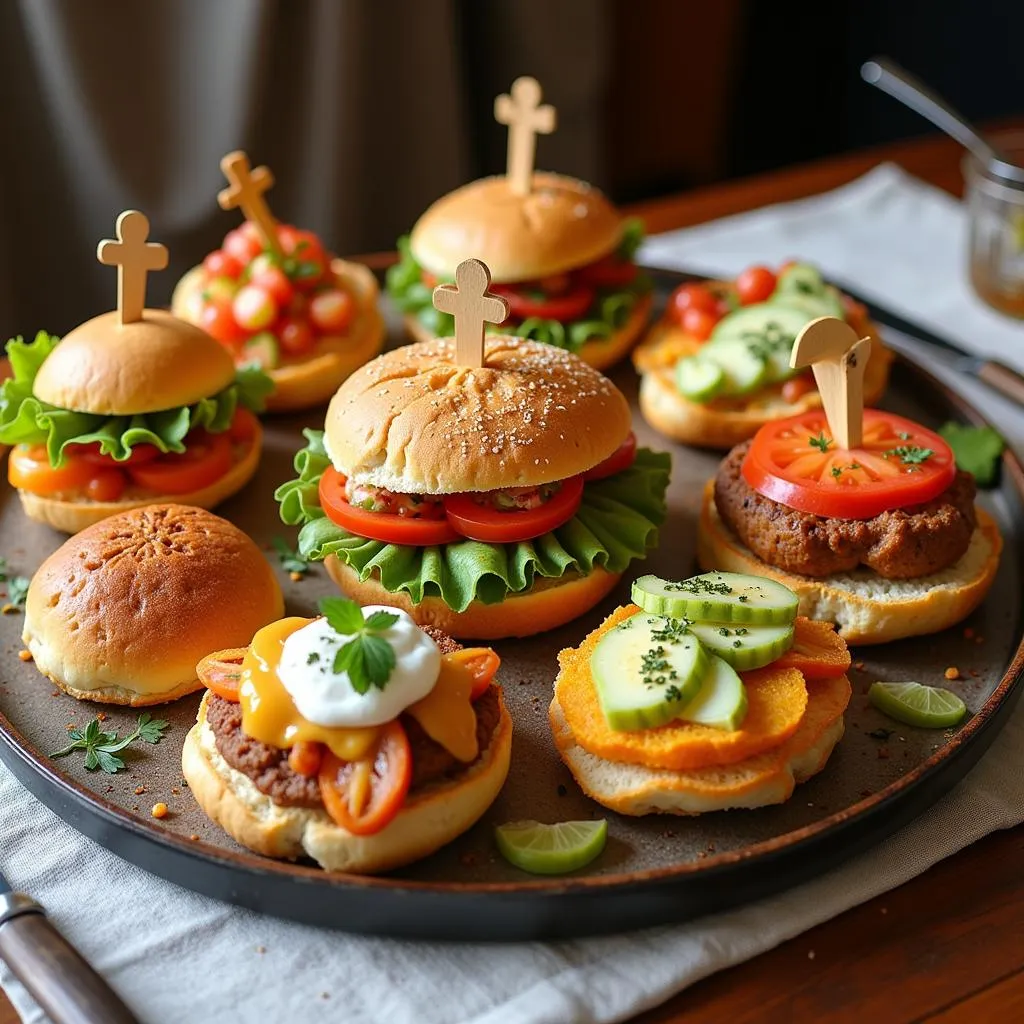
(326,697)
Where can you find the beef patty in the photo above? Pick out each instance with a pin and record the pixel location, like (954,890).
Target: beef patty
(899,544)
(271,774)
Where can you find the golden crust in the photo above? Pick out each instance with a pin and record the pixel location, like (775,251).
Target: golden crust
(415,422)
(561,224)
(124,611)
(866,608)
(428,821)
(549,603)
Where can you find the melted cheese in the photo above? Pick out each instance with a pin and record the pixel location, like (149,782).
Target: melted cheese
(446,714)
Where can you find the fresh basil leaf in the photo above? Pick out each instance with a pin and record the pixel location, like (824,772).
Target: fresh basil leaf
(381,620)
(342,614)
(378,658)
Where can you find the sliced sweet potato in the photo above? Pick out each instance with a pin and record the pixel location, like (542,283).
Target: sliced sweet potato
(818,651)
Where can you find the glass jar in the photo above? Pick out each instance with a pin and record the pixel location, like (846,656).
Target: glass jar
(995,205)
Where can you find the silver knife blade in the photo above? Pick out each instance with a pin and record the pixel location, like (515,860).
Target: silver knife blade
(914,344)
(5,886)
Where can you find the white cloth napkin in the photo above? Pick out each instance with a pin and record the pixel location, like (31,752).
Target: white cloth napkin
(176,956)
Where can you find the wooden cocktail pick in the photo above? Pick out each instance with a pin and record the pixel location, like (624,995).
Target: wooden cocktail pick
(134,258)
(525,117)
(472,305)
(831,348)
(245,192)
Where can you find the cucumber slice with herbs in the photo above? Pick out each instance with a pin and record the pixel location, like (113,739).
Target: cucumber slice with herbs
(646,670)
(744,368)
(718,597)
(799,279)
(929,707)
(699,379)
(263,350)
(722,700)
(828,303)
(744,647)
(768,330)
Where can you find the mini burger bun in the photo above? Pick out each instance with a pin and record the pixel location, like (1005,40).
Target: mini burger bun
(547,604)
(867,608)
(122,612)
(561,224)
(70,516)
(600,353)
(428,820)
(311,382)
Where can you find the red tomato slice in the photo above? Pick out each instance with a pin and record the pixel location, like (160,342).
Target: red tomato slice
(622,458)
(29,469)
(383,526)
(221,672)
(570,305)
(481,662)
(243,427)
(607,273)
(364,796)
(480,522)
(207,457)
(91,453)
(796,463)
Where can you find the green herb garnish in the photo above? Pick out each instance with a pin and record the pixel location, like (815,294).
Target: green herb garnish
(367,658)
(821,442)
(101,747)
(910,454)
(291,561)
(17,587)
(977,450)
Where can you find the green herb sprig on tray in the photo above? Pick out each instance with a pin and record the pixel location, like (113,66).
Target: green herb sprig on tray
(17,588)
(291,560)
(102,747)
(367,657)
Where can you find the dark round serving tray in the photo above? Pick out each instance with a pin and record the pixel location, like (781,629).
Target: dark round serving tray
(654,870)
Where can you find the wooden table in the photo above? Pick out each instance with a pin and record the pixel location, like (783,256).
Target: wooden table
(947,947)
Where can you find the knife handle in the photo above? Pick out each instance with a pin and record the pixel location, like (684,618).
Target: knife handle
(55,975)
(1003,379)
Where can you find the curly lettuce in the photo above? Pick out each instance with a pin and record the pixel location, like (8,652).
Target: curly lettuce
(608,313)
(617,523)
(24,419)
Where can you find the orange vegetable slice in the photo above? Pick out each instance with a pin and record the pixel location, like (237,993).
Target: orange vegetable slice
(818,651)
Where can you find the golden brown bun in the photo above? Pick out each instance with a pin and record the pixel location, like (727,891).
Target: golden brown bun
(563,223)
(416,423)
(156,363)
(71,516)
(547,604)
(600,353)
(429,819)
(866,608)
(724,422)
(122,612)
(312,382)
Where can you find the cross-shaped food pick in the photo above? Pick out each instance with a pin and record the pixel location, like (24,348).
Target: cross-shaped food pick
(831,348)
(134,258)
(525,118)
(245,191)
(472,305)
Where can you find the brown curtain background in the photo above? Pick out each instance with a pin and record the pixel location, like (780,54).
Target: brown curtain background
(366,110)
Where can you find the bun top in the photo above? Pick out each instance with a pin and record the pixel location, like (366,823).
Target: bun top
(414,422)
(137,599)
(108,368)
(562,224)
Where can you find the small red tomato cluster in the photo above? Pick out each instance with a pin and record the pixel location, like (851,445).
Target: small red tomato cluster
(696,308)
(292,295)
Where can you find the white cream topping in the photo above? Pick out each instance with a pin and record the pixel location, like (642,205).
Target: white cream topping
(326,697)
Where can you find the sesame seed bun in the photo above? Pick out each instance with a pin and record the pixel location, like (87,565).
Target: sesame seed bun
(122,612)
(414,422)
(561,224)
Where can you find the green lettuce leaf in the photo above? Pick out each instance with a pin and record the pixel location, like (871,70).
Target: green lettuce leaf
(617,522)
(24,419)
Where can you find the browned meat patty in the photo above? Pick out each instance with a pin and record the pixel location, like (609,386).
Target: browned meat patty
(900,544)
(271,774)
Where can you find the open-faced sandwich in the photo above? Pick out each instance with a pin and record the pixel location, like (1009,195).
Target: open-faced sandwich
(132,407)
(716,367)
(707,694)
(358,739)
(274,297)
(557,250)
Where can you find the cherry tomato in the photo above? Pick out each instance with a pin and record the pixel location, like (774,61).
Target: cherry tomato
(29,469)
(274,281)
(331,310)
(106,485)
(305,758)
(364,796)
(296,336)
(755,284)
(254,308)
(307,250)
(207,457)
(222,264)
(91,453)
(691,296)
(795,462)
(243,427)
(620,459)
(244,246)
(481,522)
(221,672)
(298,308)
(609,272)
(218,320)
(570,305)
(796,387)
(481,662)
(699,323)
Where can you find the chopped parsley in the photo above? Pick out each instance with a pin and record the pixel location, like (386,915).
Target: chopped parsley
(910,454)
(101,747)
(821,442)
(291,560)
(701,586)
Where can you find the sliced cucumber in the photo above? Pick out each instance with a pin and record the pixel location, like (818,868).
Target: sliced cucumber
(800,279)
(646,670)
(718,597)
(699,379)
(812,306)
(722,700)
(263,350)
(768,329)
(744,369)
(744,647)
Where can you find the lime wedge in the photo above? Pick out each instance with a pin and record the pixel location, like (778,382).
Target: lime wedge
(551,849)
(929,707)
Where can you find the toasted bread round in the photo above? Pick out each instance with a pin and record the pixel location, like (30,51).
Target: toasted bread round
(866,607)
(429,819)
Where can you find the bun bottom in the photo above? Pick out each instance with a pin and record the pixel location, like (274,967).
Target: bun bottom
(866,607)
(428,820)
(72,516)
(601,354)
(547,604)
(110,694)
